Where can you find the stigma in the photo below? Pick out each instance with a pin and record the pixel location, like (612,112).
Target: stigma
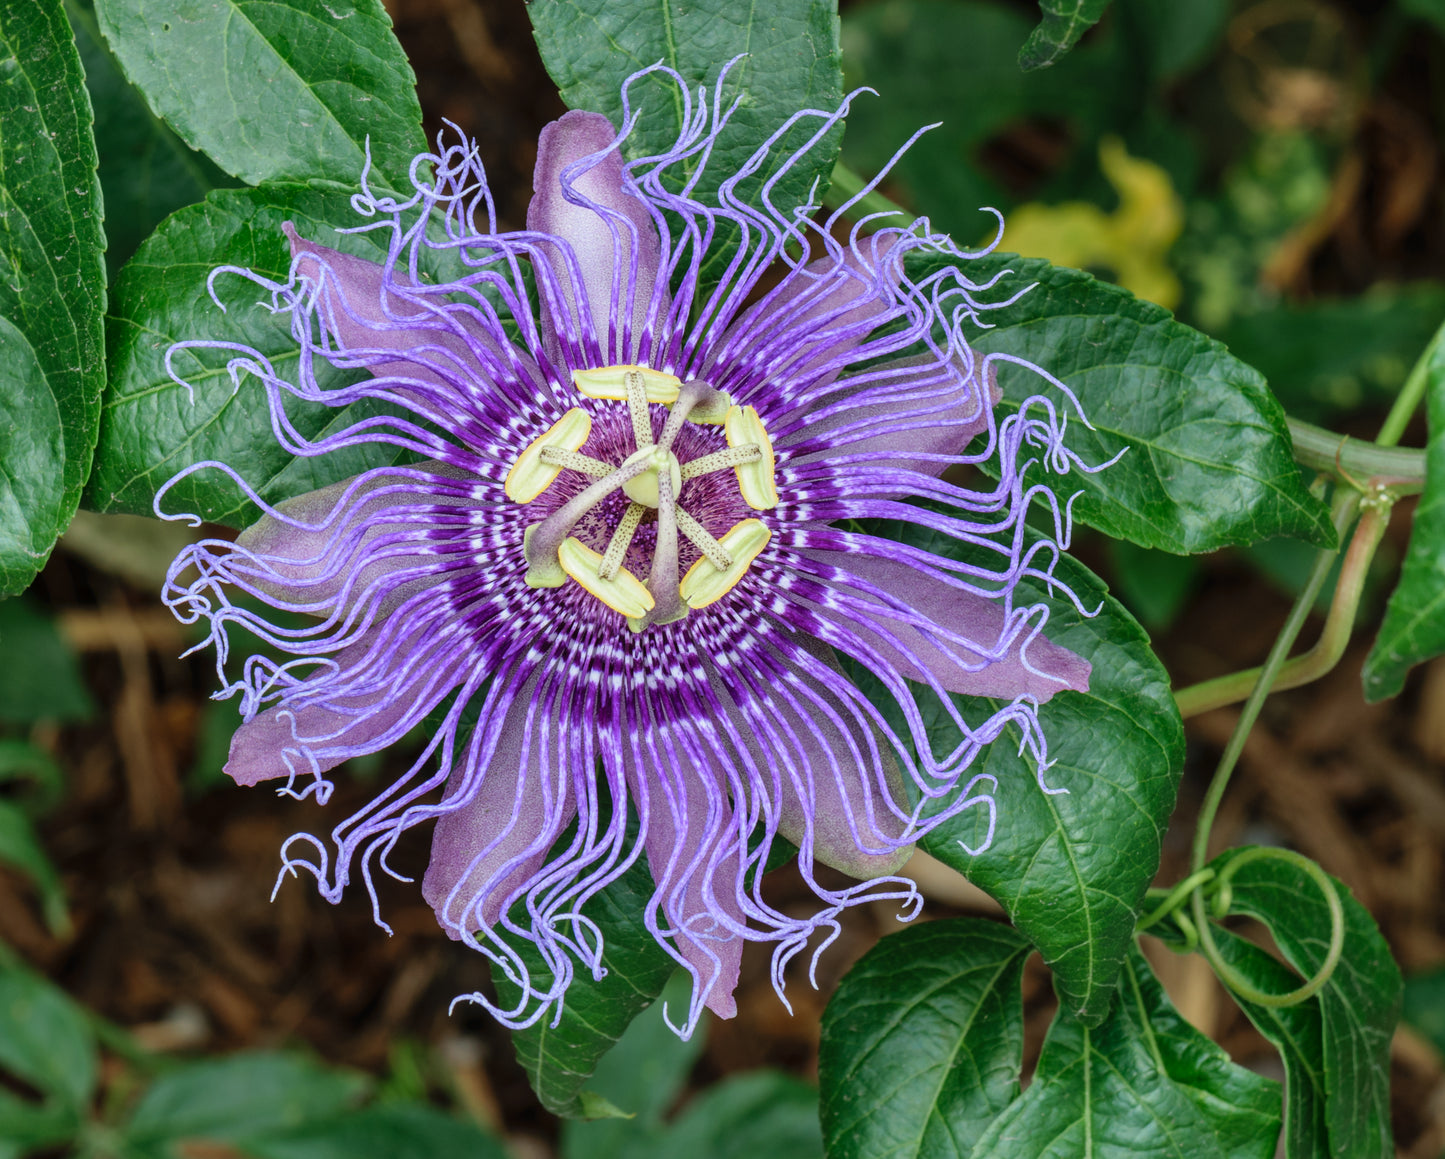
(651,477)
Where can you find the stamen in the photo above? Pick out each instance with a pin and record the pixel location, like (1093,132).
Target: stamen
(572,461)
(621,540)
(622,593)
(611,382)
(531,474)
(703,540)
(705,583)
(723,460)
(755,479)
(637,409)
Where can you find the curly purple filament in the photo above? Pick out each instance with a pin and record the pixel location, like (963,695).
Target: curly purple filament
(716,726)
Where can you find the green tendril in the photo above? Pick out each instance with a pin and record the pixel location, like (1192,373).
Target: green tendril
(1221,891)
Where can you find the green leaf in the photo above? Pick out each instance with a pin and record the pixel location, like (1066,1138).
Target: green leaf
(1064,21)
(1414,627)
(1359,1005)
(26,1126)
(33,506)
(560,1059)
(758,1115)
(54,289)
(146,171)
(274,90)
(48,686)
(793,62)
(1154,585)
(635,1082)
(386,1131)
(1142,1084)
(236,1098)
(923,1041)
(902,47)
(21,849)
(1209,462)
(1331,357)
(1431,10)
(151,428)
(45,1039)
(1241,1107)
(1071,868)
(1424,1007)
(1297,1032)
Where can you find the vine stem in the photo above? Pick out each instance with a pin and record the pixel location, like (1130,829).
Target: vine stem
(1410,394)
(1340,624)
(1403,469)
(1347,501)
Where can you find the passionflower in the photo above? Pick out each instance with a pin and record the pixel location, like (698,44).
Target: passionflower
(656,453)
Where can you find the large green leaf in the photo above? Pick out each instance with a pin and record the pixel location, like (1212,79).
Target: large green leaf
(1071,868)
(757,1115)
(230,1099)
(1414,627)
(151,427)
(641,1076)
(274,90)
(385,1131)
(20,849)
(1359,1005)
(1297,1032)
(1064,21)
(1142,1084)
(902,47)
(54,289)
(560,1059)
(923,1041)
(591,46)
(32,463)
(45,1039)
(1209,461)
(146,171)
(48,685)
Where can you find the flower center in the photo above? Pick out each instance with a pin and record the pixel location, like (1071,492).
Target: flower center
(651,477)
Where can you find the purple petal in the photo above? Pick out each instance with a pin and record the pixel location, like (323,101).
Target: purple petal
(602,242)
(513,820)
(1050,668)
(941,419)
(289,741)
(691,847)
(838,791)
(364,313)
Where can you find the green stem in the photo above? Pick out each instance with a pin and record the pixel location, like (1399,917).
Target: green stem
(1172,898)
(846,185)
(1410,394)
(1308,666)
(1342,456)
(1345,505)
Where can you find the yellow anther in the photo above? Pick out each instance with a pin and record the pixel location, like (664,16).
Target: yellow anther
(529,475)
(705,583)
(643,488)
(611,382)
(744,428)
(622,593)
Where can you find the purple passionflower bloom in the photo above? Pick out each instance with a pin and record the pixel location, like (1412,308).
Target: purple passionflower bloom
(639,529)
